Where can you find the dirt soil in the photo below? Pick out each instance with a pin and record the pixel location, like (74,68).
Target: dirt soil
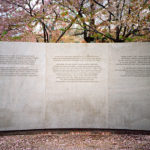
(75,140)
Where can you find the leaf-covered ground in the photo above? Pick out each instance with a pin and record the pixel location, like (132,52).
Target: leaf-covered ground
(75,140)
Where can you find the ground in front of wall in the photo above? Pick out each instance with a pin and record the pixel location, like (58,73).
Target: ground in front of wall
(75,140)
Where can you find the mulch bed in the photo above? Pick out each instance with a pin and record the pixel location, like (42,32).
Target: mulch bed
(75,140)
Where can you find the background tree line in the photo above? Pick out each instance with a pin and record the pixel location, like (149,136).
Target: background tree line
(91,20)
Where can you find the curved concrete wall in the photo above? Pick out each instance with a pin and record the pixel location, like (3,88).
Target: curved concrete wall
(74,86)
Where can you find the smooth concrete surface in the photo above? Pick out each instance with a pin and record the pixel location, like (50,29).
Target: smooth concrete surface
(129,86)
(21,96)
(47,86)
(76,103)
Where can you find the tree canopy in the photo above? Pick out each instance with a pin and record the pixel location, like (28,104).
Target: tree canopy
(91,20)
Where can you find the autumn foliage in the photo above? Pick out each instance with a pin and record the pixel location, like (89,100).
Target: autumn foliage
(75,20)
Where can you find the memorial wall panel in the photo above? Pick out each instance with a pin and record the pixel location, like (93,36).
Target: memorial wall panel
(129,86)
(76,85)
(22,85)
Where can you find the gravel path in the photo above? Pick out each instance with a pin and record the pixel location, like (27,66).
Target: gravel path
(75,140)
